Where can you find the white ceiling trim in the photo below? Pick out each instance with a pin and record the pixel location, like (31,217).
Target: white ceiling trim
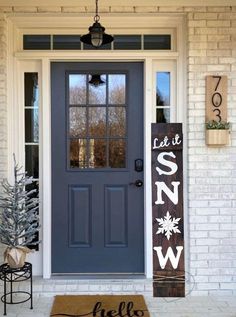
(78,3)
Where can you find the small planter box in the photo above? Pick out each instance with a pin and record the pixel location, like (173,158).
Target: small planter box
(216,137)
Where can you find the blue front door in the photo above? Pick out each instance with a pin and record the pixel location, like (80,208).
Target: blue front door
(97,136)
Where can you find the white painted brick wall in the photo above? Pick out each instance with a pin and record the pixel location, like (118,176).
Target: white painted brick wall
(211,49)
(211,170)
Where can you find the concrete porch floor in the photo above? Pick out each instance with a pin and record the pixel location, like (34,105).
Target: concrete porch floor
(191,306)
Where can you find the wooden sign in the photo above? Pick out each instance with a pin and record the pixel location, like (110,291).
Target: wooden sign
(216,98)
(167,210)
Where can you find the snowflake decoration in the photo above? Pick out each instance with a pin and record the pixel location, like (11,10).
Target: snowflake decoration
(167,225)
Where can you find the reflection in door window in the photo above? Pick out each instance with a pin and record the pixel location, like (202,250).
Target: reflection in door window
(32,125)
(77,117)
(117,121)
(163,115)
(77,89)
(78,153)
(163,97)
(116,89)
(97,133)
(117,149)
(97,153)
(97,93)
(163,89)
(97,121)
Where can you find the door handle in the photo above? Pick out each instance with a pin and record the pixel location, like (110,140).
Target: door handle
(137,183)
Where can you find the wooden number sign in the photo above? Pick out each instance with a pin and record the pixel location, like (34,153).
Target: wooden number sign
(216,98)
(167,210)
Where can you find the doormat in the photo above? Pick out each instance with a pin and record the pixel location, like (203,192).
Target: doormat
(99,306)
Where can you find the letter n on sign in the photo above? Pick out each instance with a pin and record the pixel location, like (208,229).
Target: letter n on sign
(167,210)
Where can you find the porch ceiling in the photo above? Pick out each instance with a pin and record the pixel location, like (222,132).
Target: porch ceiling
(119,3)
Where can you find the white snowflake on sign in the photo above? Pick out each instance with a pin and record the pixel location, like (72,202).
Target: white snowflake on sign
(168,225)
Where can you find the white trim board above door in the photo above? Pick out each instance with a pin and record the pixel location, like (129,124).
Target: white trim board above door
(17,60)
(74,3)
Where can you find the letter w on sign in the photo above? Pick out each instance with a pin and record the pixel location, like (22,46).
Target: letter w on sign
(167,210)
(174,260)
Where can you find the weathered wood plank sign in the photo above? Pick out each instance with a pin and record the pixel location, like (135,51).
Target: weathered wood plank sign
(167,210)
(216,98)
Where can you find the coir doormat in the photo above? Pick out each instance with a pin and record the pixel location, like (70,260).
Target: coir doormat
(99,306)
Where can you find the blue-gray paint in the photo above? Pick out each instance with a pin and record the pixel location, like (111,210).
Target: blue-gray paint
(89,234)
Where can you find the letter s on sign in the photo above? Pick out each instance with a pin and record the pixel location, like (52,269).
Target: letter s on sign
(161,159)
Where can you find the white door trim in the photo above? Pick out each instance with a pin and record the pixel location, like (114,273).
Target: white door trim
(45,58)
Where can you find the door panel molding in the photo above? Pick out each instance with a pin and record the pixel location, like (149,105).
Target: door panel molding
(116,216)
(80,200)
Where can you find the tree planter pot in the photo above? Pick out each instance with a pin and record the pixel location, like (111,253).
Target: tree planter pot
(15,256)
(216,137)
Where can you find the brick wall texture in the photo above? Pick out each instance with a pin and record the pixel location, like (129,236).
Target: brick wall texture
(211,49)
(3,100)
(212,171)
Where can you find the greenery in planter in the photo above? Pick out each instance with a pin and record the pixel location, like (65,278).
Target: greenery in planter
(19,220)
(214,125)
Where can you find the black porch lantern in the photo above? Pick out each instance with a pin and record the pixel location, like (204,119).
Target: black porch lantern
(96,36)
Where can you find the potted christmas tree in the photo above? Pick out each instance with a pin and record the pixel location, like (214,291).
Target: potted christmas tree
(217,133)
(19,221)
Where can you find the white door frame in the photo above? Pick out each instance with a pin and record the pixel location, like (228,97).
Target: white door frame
(44,58)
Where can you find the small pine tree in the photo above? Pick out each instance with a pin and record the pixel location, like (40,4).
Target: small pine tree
(19,220)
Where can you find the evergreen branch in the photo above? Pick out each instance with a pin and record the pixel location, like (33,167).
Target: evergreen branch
(19,220)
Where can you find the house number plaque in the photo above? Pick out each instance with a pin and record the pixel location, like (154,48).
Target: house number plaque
(216,98)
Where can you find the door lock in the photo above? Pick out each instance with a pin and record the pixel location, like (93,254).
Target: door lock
(138,165)
(137,183)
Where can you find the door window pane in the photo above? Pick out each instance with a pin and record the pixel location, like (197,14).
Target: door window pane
(163,88)
(77,122)
(77,89)
(31,90)
(163,115)
(127,42)
(97,121)
(97,153)
(32,160)
(117,121)
(78,153)
(157,42)
(117,153)
(116,89)
(97,94)
(66,42)
(31,125)
(29,187)
(36,42)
